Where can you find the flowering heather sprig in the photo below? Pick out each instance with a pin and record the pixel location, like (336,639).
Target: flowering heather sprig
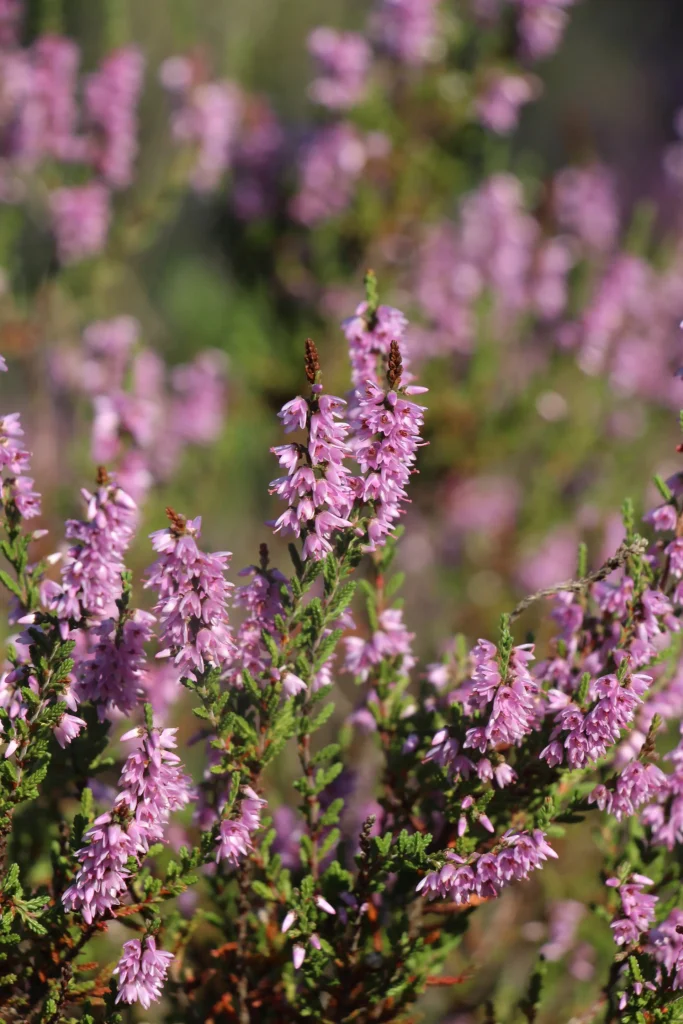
(391,640)
(498,104)
(141,973)
(512,697)
(486,875)
(234,837)
(636,784)
(343,60)
(15,464)
(206,116)
(330,164)
(664,816)
(585,736)
(317,488)
(192,598)
(113,676)
(153,786)
(385,446)
(369,334)
(111,98)
(665,944)
(638,909)
(80,218)
(407,29)
(91,578)
(262,600)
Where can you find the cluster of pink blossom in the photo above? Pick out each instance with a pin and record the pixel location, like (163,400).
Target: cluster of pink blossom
(141,974)
(42,120)
(408,30)
(15,464)
(636,784)
(142,423)
(664,816)
(113,676)
(391,640)
(582,736)
(499,101)
(343,60)
(262,600)
(369,339)
(637,907)
(317,488)
(540,24)
(234,838)
(512,698)
(93,564)
(192,598)
(153,786)
(385,447)
(206,116)
(485,875)
(665,944)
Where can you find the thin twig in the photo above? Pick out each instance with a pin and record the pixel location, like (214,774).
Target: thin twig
(621,556)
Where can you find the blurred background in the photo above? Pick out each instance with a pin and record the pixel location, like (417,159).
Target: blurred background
(190,189)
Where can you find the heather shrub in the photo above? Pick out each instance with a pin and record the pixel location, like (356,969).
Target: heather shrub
(327,779)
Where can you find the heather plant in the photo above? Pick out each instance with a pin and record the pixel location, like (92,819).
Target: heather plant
(483,763)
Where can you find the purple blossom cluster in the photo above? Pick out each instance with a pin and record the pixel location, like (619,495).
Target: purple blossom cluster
(144,415)
(385,447)
(113,677)
(93,564)
(141,972)
(261,598)
(15,465)
(343,60)
(192,600)
(637,907)
(234,838)
(637,784)
(391,640)
(152,787)
(485,875)
(369,339)
(318,487)
(512,697)
(408,30)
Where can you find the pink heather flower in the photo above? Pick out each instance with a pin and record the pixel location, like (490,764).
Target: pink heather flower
(512,699)
(541,25)
(407,29)
(369,345)
(141,974)
(68,729)
(665,816)
(390,641)
(498,105)
(582,737)
(317,487)
(513,859)
(206,116)
(298,955)
(585,202)
(565,916)
(80,221)
(111,98)
(262,600)
(637,907)
(343,60)
(113,677)
(152,782)
(637,784)
(192,598)
(234,839)
(385,447)
(258,161)
(198,398)
(665,944)
(330,164)
(101,878)
(15,463)
(51,106)
(445,751)
(91,573)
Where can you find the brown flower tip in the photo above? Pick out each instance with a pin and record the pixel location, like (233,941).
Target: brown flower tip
(395,365)
(102,476)
(312,362)
(178,522)
(264,556)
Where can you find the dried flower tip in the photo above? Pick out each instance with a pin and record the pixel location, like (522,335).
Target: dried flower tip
(102,476)
(312,362)
(178,522)
(264,556)
(395,366)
